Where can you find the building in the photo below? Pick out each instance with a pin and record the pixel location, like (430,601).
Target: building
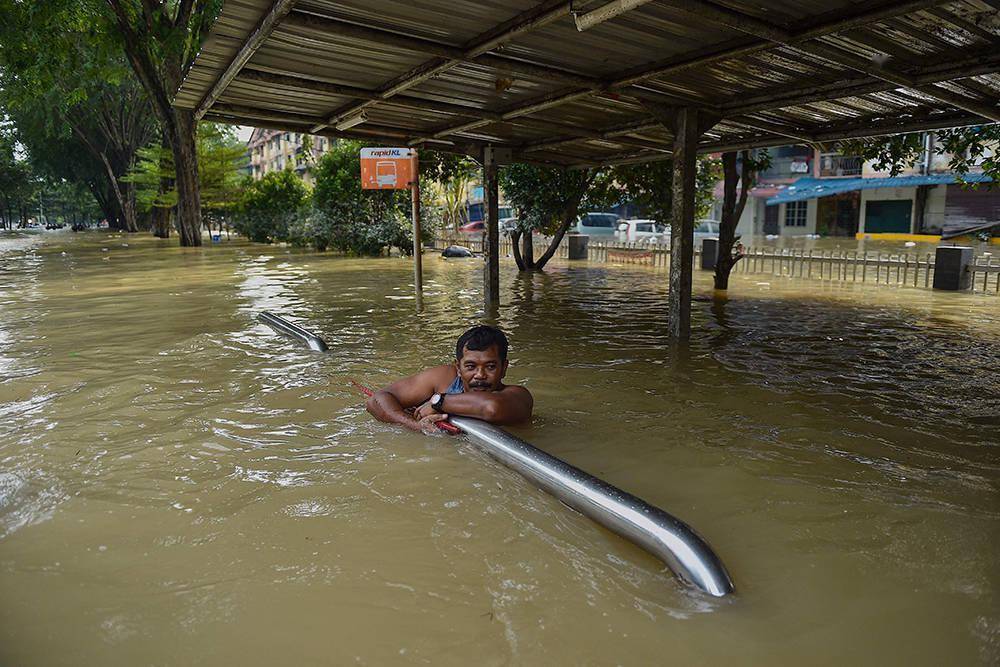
(273,150)
(808,192)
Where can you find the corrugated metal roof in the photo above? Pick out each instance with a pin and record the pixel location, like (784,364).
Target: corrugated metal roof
(456,74)
(808,187)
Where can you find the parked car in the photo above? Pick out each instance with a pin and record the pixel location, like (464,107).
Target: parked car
(642,231)
(596,224)
(477,227)
(508,225)
(705,229)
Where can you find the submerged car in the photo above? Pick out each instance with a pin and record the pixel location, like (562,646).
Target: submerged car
(642,231)
(596,224)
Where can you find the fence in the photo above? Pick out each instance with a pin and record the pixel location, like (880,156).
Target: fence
(903,269)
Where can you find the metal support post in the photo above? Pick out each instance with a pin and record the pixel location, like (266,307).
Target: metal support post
(418,266)
(686,134)
(491,237)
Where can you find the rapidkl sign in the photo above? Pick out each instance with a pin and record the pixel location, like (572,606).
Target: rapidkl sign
(387,168)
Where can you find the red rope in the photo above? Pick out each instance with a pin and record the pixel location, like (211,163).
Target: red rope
(443,425)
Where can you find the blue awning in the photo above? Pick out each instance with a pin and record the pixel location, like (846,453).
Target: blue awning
(812,188)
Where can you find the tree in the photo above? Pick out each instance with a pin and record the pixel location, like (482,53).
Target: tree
(270,205)
(75,90)
(354,220)
(451,189)
(548,200)
(160,40)
(650,186)
(966,147)
(220,154)
(745,175)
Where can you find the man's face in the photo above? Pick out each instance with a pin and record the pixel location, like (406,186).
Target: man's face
(481,370)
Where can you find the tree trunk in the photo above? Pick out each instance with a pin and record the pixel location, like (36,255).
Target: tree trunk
(161,222)
(129,216)
(186,168)
(569,215)
(732,210)
(528,250)
(515,245)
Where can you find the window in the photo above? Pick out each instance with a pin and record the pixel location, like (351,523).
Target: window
(795,213)
(644,227)
(604,220)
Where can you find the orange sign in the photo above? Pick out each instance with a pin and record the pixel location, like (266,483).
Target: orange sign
(387,168)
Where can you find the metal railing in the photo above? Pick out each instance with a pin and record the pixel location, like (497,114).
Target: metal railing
(875,268)
(832,166)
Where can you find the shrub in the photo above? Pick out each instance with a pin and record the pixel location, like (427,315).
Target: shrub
(271,206)
(354,220)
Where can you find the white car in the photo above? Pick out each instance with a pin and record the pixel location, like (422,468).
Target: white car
(642,231)
(508,225)
(704,229)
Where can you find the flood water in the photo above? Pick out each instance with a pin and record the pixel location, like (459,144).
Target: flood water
(179,485)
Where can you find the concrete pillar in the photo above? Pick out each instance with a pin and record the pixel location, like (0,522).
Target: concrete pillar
(491,237)
(686,134)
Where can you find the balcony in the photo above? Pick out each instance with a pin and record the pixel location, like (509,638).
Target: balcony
(839,166)
(786,168)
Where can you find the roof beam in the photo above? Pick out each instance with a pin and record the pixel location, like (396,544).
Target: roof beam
(780,35)
(330,26)
(254,41)
(416,103)
(824,25)
(777,98)
(847,131)
(780,96)
(538,16)
(234,114)
(963,23)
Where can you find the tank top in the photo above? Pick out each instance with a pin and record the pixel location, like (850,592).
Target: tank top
(455,387)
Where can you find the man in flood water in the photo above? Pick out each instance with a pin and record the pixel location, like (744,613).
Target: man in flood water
(471,387)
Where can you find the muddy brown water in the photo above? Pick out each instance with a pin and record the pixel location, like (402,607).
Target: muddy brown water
(179,485)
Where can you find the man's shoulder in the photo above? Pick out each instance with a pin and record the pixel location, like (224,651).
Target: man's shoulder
(516,389)
(444,373)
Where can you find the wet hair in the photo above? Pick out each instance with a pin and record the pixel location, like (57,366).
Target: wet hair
(481,338)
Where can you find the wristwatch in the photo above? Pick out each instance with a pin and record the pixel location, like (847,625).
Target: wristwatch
(437,402)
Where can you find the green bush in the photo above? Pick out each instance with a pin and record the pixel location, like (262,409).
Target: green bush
(339,214)
(357,221)
(271,207)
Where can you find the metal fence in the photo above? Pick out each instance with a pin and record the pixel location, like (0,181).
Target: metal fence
(901,269)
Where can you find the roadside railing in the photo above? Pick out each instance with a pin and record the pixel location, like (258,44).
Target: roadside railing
(875,268)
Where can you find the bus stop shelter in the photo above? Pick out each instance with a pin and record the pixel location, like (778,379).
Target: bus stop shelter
(582,84)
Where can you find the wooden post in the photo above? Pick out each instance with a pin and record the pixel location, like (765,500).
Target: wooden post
(491,237)
(686,133)
(418,266)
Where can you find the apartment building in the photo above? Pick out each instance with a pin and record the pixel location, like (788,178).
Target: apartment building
(811,192)
(273,150)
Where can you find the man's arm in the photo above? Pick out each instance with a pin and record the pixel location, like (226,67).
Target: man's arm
(510,405)
(390,404)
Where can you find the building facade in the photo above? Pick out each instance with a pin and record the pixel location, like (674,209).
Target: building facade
(808,192)
(273,150)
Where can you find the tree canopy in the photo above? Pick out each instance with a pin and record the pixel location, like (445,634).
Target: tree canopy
(967,148)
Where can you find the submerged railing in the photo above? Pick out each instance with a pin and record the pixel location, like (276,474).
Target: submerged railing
(866,267)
